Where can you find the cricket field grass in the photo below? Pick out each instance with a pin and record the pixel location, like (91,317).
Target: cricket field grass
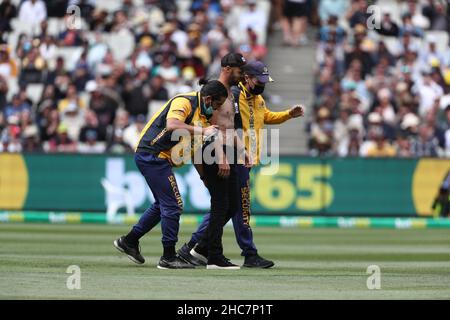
(310,264)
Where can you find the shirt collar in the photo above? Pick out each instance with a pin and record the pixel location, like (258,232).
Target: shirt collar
(248,95)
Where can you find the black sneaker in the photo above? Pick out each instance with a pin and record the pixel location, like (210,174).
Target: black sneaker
(256,261)
(198,255)
(221,263)
(174,263)
(185,253)
(132,252)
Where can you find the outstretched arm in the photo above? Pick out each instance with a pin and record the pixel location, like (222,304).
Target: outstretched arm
(271,117)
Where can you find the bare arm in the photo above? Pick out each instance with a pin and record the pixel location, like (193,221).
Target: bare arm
(175,124)
(221,157)
(201,172)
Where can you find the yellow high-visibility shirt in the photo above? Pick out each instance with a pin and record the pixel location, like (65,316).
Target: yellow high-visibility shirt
(156,139)
(255,114)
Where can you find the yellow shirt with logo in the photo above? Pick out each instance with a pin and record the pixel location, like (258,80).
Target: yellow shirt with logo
(179,108)
(255,114)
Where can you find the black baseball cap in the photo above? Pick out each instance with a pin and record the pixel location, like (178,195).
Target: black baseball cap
(233,60)
(258,69)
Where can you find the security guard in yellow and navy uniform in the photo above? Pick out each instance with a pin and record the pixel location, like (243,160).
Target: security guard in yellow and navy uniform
(154,158)
(251,116)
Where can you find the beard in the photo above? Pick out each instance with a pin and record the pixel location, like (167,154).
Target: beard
(233,81)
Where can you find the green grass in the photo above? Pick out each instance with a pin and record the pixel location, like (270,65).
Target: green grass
(310,264)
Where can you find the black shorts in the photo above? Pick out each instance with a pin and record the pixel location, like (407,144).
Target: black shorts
(295,9)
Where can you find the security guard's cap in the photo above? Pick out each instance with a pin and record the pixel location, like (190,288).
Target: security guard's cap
(258,69)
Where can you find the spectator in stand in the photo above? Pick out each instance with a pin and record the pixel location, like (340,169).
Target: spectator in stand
(158,90)
(430,55)
(167,70)
(403,146)
(16,107)
(8,11)
(259,50)
(428,91)
(33,66)
(8,67)
(30,140)
(87,8)
(132,133)
(358,13)
(381,147)
(61,142)
(118,146)
(328,8)
(72,100)
(116,130)
(386,110)
(425,144)
(120,22)
(104,106)
(81,76)
(435,12)
(196,45)
(48,124)
(33,12)
(410,125)
(91,123)
(73,118)
(217,34)
(98,20)
(97,51)
(194,64)
(409,27)
(252,17)
(417,18)
(48,48)
(25,120)
(54,77)
(294,22)
(70,38)
(137,93)
(332,30)
(322,133)
(388,27)
(91,145)
(57,8)
(145,32)
(11,136)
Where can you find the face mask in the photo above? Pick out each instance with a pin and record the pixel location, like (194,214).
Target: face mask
(257,90)
(207,110)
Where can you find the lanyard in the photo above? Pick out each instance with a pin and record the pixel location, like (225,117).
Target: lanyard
(251,107)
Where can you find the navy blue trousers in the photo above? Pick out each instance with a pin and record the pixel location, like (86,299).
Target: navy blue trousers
(241,220)
(168,204)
